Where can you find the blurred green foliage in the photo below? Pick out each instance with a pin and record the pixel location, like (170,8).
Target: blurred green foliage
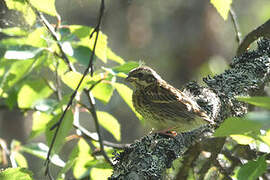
(30,64)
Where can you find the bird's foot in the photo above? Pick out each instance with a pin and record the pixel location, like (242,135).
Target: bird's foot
(167,132)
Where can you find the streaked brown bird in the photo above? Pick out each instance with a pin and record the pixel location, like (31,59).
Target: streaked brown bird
(164,107)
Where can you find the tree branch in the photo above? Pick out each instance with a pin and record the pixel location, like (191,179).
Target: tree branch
(149,157)
(236,26)
(261,31)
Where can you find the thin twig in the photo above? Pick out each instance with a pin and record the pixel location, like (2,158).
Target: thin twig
(261,31)
(51,29)
(58,83)
(236,26)
(96,30)
(89,67)
(94,115)
(95,84)
(88,135)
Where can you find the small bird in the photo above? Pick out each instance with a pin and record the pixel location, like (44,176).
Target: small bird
(164,107)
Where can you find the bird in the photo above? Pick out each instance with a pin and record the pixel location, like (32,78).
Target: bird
(164,107)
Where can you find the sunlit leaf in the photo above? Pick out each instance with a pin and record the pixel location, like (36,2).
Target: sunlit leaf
(83,33)
(82,154)
(100,174)
(46,6)
(31,92)
(16,71)
(253,169)
(72,79)
(103,91)
(101,47)
(16,173)
(20,159)
(30,39)
(113,57)
(40,150)
(13,31)
(222,6)
(40,121)
(126,93)
(110,124)
(37,38)
(64,129)
(263,102)
(242,139)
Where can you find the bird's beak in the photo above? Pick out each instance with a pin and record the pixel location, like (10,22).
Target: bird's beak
(129,79)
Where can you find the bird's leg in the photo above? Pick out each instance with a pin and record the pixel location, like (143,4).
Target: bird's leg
(167,132)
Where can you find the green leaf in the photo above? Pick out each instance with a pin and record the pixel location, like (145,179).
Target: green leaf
(100,174)
(113,57)
(103,52)
(253,169)
(110,124)
(125,68)
(103,91)
(11,100)
(72,79)
(236,125)
(263,102)
(222,6)
(81,54)
(20,159)
(126,93)
(31,92)
(82,154)
(66,168)
(242,139)
(83,33)
(33,39)
(22,6)
(14,31)
(46,6)
(64,129)
(15,70)
(16,173)
(39,124)
(40,150)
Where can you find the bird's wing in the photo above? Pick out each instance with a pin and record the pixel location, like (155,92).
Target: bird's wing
(174,102)
(167,99)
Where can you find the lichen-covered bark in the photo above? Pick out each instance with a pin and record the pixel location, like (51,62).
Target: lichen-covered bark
(149,157)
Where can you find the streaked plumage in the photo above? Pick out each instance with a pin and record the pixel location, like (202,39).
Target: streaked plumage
(162,105)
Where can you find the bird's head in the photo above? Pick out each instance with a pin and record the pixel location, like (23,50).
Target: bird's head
(142,77)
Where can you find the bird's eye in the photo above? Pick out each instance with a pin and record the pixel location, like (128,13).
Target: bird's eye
(150,78)
(139,75)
